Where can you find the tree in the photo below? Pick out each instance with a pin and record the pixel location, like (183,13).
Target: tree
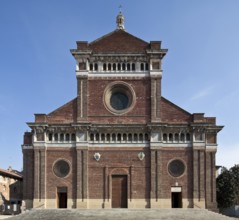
(235,173)
(228,187)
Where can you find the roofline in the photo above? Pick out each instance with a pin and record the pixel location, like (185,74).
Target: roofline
(62,106)
(106,35)
(176,106)
(10,174)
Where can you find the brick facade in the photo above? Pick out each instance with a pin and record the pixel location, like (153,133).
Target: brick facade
(119,125)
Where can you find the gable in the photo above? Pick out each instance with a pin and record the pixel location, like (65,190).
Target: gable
(118,41)
(171,113)
(64,114)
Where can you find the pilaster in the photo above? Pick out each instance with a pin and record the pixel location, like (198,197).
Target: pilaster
(155,97)
(39,177)
(82,178)
(82,82)
(210,182)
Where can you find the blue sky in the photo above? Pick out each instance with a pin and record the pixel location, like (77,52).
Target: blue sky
(201,69)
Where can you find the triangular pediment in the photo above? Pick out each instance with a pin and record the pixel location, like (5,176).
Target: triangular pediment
(64,114)
(118,41)
(171,113)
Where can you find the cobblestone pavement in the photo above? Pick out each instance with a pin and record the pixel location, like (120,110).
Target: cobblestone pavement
(129,214)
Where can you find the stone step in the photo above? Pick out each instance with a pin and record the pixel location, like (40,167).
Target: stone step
(129,214)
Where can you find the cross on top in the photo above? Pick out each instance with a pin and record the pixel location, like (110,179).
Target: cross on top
(120,8)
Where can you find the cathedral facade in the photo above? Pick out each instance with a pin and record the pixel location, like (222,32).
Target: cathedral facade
(119,143)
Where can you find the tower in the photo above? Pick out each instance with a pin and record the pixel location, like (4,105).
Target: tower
(119,143)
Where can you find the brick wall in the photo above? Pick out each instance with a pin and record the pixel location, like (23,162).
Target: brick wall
(162,181)
(172,113)
(98,113)
(117,161)
(28,174)
(52,180)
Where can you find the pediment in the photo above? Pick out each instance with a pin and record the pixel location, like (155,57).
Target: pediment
(171,113)
(118,41)
(64,114)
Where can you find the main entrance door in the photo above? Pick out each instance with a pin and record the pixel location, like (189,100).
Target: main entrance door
(176,199)
(119,191)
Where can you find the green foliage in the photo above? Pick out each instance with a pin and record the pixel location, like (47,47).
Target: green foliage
(228,187)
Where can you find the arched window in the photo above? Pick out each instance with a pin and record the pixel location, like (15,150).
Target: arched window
(124,137)
(123,66)
(135,137)
(119,137)
(114,66)
(61,137)
(146,66)
(50,137)
(102,137)
(104,66)
(128,67)
(170,137)
(108,137)
(73,137)
(182,137)
(96,66)
(67,137)
(91,137)
(146,137)
(97,137)
(176,137)
(133,66)
(56,137)
(113,137)
(119,66)
(109,66)
(91,67)
(188,137)
(130,137)
(142,66)
(164,137)
(140,137)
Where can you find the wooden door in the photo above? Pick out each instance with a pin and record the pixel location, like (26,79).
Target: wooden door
(119,191)
(176,199)
(62,200)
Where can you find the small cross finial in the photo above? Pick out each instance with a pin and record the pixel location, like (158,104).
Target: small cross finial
(120,19)
(120,8)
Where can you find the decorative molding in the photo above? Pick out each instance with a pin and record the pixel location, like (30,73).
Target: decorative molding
(141,155)
(97,156)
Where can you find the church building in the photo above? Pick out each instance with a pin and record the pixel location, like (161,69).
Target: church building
(119,143)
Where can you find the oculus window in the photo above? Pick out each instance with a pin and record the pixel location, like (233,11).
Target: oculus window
(119,98)
(61,168)
(119,101)
(176,168)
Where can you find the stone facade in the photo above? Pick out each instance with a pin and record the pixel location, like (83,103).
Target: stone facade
(119,143)
(10,187)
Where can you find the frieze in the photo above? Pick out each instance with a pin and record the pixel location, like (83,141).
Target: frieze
(118,59)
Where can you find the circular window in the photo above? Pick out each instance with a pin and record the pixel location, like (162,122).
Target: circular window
(61,168)
(176,168)
(119,97)
(119,101)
